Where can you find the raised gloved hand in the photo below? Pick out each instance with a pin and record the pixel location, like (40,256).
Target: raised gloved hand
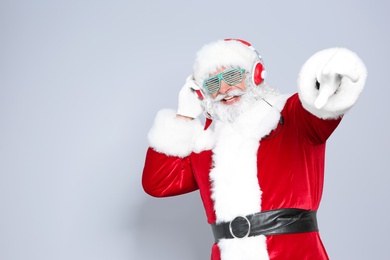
(189,103)
(331,81)
(339,67)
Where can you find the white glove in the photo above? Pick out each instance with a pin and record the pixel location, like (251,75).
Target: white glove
(189,103)
(340,65)
(341,75)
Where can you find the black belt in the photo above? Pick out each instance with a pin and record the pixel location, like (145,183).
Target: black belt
(272,222)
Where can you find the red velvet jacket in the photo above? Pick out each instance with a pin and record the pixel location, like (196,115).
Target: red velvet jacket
(289,164)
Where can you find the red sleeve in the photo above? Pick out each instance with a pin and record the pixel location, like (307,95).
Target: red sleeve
(165,176)
(310,128)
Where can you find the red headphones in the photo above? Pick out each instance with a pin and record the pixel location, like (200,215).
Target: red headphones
(258,70)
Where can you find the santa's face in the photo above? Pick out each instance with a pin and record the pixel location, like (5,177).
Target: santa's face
(229,94)
(230,101)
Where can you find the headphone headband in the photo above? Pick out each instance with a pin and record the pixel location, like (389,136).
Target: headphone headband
(258,70)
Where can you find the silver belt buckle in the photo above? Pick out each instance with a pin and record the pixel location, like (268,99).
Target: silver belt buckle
(240,220)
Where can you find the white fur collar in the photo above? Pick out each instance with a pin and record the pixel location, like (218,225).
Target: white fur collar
(235,187)
(234,174)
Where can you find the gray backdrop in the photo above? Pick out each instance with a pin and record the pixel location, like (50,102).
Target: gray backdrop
(80,84)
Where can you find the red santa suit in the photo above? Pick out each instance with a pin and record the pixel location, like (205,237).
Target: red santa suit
(256,163)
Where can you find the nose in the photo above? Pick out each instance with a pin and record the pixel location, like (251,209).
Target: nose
(224,87)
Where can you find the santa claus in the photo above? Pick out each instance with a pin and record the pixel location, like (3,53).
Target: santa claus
(259,167)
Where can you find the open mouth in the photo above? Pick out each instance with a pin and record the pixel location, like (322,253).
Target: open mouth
(230,99)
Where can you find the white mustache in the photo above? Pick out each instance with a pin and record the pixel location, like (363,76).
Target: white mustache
(232,93)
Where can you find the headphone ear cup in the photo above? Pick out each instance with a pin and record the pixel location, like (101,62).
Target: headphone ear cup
(258,73)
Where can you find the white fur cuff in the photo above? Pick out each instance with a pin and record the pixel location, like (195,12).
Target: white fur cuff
(173,136)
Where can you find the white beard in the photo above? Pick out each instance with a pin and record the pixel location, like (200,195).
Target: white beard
(228,113)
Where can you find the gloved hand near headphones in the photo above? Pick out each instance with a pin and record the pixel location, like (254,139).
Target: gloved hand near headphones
(189,105)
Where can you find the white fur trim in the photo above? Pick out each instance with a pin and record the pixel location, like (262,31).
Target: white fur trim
(348,92)
(173,136)
(205,140)
(249,248)
(219,54)
(235,187)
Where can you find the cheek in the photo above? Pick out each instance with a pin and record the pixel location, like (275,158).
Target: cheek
(241,85)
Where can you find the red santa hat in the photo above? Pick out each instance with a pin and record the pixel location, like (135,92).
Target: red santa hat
(226,53)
